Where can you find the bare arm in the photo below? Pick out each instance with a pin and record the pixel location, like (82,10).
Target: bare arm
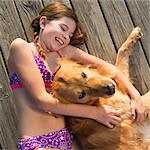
(85,58)
(24,64)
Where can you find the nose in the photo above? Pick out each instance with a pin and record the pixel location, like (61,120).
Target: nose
(111,89)
(66,35)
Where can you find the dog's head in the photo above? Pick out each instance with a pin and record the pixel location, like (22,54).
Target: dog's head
(77,83)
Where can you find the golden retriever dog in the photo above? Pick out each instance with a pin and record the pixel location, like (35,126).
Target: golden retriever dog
(83,84)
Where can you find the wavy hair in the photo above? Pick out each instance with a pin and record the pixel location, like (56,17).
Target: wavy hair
(57,10)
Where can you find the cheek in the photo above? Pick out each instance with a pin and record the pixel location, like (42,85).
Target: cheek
(52,34)
(52,31)
(50,38)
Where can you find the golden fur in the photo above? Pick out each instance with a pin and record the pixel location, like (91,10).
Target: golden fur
(76,83)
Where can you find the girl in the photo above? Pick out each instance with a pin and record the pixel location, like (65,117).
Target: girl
(32,67)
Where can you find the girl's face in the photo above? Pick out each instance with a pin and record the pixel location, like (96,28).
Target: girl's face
(56,34)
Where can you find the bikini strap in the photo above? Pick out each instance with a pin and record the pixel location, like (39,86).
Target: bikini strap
(59,54)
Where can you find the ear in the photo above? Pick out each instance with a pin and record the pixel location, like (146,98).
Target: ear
(42,22)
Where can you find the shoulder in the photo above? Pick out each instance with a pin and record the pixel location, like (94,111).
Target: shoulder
(19,50)
(19,47)
(18,43)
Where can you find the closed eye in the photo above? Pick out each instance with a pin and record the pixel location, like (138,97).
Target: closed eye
(62,28)
(66,28)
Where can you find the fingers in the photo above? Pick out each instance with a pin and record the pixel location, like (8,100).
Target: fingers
(114,120)
(109,125)
(139,118)
(111,116)
(117,113)
(133,114)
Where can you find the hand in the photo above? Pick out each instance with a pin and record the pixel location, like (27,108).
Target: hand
(108,116)
(137,110)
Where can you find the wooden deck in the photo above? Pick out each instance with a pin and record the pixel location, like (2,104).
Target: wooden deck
(107,24)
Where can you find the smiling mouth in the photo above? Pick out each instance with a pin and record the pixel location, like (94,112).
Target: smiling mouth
(59,41)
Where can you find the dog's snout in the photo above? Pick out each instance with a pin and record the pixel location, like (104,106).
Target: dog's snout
(111,89)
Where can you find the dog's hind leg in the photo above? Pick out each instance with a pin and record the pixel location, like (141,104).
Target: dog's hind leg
(122,60)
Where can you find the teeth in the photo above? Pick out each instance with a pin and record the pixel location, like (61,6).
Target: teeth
(59,40)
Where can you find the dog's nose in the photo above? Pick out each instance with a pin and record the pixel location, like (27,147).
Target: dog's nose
(111,89)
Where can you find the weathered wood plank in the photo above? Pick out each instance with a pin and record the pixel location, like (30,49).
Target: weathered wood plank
(28,10)
(67,2)
(10,28)
(8,115)
(10,25)
(99,42)
(141,19)
(120,25)
(107,24)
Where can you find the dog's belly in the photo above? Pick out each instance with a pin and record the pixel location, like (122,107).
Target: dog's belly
(101,137)
(92,135)
(143,130)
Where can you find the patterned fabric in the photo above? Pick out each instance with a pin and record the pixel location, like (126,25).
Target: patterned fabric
(46,75)
(15,82)
(61,139)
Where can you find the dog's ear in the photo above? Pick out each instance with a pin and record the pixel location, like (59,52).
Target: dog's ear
(56,90)
(61,92)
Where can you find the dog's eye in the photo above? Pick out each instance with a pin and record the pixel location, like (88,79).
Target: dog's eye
(83,75)
(82,94)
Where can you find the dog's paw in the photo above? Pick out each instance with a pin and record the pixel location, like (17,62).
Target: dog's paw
(137,32)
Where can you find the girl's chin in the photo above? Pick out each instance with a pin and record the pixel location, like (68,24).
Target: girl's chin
(55,49)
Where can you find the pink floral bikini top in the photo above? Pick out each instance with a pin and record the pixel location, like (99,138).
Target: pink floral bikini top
(47,76)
